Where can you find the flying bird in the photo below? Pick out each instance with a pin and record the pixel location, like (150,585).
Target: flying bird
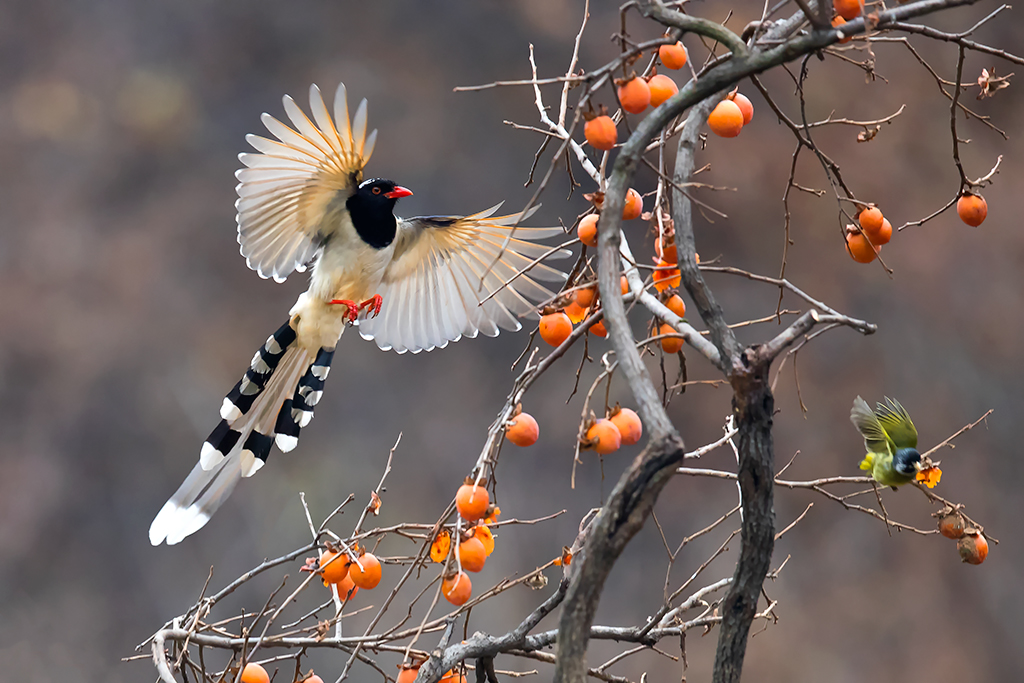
(891,442)
(302,200)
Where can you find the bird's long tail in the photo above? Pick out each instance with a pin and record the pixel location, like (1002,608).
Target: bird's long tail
(270,404)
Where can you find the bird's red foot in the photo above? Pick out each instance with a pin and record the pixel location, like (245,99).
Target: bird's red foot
(353,310)
(371,305)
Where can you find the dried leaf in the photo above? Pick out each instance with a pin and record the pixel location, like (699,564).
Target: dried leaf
(991,84)
(537,581)
(375,503)
(868,134)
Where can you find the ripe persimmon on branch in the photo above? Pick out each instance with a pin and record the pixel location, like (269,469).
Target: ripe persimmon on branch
(412,629)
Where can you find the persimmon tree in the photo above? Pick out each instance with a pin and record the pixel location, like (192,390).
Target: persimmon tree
(433,591)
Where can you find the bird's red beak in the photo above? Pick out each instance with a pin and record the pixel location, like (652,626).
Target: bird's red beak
(398,193)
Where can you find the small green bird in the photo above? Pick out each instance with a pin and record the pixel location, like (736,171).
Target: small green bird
(891,441)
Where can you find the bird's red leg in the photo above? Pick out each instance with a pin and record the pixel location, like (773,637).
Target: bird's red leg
(372,305)
(353,310)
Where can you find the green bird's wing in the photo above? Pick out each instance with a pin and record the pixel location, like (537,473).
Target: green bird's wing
(876,440)
(896,422)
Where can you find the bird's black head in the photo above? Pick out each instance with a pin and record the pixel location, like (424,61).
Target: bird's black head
(372,208)
(906,461)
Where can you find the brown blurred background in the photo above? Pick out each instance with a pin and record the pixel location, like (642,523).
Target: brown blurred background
(128,314)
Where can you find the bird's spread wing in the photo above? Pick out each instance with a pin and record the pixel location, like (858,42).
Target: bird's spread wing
(432,288)
(286,189)
(897,424)
(875,438)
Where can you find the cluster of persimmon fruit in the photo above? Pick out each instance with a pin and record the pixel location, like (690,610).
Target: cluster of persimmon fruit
(473,546)
(556,322)
(970,542)
(864,243)
(622,427)
(635,95)
(255,673)
(348,570)
(730,115)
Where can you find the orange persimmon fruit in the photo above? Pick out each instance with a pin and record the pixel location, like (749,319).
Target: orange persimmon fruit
(726,120)
(254,673)
(859,248)
(666,250)
(457,588)
(745,105)
(587,230)
(555,328)
(973,547)
(848,9)
(952,525)
(599,329)
(972,209)
(883,235)
(871,220)
(346,586)
(604,437)
(407,674)
(672,56)
(442,543)
(575,312)
(629,425)
(369,576)
(483,534)
(584,297)
(837,23)
(662,87)
(670,344)
(337,570)
(634,205)
(601,133)
(472,502)
(471,554)
(676,304)
(634,95)
(522,430)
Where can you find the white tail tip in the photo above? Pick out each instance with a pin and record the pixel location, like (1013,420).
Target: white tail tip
(229,411)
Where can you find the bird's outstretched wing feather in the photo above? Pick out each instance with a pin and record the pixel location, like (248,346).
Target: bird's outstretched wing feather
(432,288)
(288,187)
(897,424)
(875,438)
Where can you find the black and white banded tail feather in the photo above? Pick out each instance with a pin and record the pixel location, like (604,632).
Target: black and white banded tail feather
(272,402)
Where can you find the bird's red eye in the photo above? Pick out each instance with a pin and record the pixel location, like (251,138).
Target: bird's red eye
(376,190)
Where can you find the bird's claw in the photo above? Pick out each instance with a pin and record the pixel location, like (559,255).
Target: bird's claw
(372,306)
(352,311)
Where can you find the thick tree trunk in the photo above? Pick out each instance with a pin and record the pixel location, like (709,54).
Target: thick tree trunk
(619,520)
(753,407)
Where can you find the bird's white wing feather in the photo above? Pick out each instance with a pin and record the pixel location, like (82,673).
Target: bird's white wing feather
(286,189)
(444,266)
